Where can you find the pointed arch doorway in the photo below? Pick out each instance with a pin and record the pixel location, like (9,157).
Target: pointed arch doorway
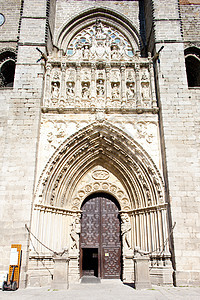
(100,239)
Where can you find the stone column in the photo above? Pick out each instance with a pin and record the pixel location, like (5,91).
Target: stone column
(137,82)
(47,85)
(78,84)
(93,86)
(123,83)
(152,84)
(62,85)
(108,87)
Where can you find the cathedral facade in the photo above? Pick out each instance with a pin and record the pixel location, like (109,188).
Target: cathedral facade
(100,138)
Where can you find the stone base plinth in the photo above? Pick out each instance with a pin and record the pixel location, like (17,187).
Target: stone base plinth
(128,268)
(60,275)
(142,277)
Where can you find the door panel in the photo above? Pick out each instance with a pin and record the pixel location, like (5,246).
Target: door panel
(110,224)
(100,228)
(90,224)
(111,262)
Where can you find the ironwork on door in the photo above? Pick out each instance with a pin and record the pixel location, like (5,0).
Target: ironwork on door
(100,237)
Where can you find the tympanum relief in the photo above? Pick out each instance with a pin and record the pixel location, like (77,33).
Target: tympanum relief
(100,69)
(99,179)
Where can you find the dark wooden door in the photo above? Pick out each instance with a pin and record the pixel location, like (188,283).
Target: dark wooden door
(100,229)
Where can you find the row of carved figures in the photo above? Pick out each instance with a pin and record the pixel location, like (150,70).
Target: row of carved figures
(85,91)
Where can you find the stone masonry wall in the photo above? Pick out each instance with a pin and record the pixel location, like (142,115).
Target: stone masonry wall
(9,30)
(190,15)
(178,114)
(69,9)
(21,116)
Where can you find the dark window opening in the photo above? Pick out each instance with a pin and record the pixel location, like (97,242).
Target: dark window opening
(7,69)
(192,61)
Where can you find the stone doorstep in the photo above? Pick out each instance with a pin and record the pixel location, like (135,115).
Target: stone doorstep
(90,279)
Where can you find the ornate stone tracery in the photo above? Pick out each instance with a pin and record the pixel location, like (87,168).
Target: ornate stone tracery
(100,41)
(100,69)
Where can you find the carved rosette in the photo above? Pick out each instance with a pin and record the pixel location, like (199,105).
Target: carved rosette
(100,186)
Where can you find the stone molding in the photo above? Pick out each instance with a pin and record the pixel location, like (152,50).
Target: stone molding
(94,143)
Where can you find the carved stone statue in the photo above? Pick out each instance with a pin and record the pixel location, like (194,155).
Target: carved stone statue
(145,90)
(144,76)
(100,88)
(130,91)
(114,52)
(115,91)
(86,52)
(55,90)
(75,232)
(70,90)
(99,30)
(85,91)
(126,229)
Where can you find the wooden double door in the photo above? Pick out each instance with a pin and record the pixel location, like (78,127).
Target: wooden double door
(100,239)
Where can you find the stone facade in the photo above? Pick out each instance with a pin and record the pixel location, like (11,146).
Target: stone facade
(100,108)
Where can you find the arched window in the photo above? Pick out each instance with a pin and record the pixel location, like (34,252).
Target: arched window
(7,68)
(192,61)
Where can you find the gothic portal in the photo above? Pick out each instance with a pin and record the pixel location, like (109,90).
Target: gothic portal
(100,139)
(99,134)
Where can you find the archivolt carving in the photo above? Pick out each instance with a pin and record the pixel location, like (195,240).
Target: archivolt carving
(103,144)
(100,186)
